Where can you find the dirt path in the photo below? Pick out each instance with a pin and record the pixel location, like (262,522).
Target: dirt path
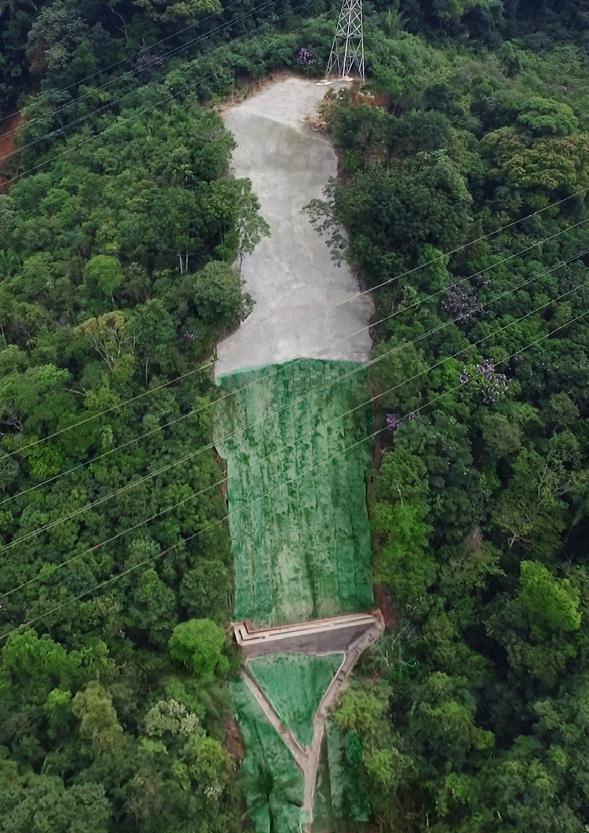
(330,699)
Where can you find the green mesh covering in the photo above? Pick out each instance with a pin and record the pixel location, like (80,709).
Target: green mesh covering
(301,547)
(272,782)
(339,793)
(295,684)
(298,520)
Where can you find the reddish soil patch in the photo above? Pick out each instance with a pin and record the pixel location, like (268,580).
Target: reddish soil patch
(383,599)
(234,740)
(9,130)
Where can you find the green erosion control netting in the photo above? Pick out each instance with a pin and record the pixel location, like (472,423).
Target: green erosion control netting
(301,546)
(272,782)
(298,521)
(339,793)
(295,684)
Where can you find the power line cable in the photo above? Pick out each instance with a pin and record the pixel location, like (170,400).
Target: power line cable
(193,454)
(225,480)
(108,104)
(225,518)
(127,60)
(151,390)
(349,299)
(195,411)
(149,108)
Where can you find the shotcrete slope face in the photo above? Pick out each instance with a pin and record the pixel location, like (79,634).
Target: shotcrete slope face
(304,303)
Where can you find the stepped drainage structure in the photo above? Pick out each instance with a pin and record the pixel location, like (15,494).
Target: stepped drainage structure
(293,436)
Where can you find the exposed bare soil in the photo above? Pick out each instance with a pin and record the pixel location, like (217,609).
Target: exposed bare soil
(9,133)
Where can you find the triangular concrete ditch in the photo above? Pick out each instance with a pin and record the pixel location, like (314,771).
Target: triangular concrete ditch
(351,634)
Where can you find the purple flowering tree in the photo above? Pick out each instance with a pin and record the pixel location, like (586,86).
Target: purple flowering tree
(461,303)
(392,421)
(484,383)
(305,58)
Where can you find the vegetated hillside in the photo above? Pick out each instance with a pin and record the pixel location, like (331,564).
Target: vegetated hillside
(114,279)
(473,716)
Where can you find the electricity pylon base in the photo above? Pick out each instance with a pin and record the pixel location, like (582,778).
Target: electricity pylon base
(347,49)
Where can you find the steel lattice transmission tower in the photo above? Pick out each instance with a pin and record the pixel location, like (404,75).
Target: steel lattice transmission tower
(347,49)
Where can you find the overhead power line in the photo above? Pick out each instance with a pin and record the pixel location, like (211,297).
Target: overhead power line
(358,368)
(104,107)
(351,298)
(134,56)
(195,411)
(170,96)
(149,560)
(49,571)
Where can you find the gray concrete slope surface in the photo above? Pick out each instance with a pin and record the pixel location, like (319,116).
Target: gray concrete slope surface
(305,305)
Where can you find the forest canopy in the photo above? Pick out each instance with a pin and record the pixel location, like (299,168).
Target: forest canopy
(470,713)
(119,227)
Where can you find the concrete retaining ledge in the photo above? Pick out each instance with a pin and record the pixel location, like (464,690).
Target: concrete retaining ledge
(317,636)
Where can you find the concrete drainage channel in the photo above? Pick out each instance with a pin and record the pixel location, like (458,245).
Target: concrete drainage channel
(346,637)
(298,521)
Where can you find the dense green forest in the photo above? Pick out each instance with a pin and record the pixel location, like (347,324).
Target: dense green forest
(473,712)
(117,235)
